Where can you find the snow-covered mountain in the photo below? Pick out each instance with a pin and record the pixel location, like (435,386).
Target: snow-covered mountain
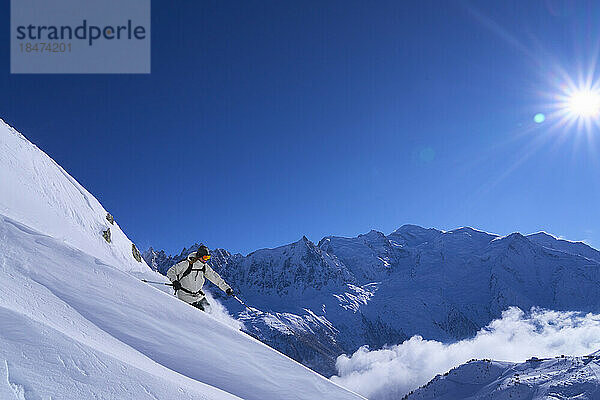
(535,379)
(77,323)
(379,289)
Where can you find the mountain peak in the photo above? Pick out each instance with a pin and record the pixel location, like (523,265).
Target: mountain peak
(471,231)
(414,234)
(372,234)
(410,228)
(415,230)
(303,242)
(542,235)
(516,243)
(515,237)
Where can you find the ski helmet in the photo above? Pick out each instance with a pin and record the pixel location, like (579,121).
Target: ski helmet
(203,253)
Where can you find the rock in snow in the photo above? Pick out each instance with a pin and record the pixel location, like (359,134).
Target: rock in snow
(77,323)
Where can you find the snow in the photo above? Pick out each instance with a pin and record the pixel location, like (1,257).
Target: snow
(356,296)
(39,193)
(77,323)
(535,379)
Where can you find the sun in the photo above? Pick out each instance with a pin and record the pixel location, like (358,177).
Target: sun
(574,107)
(584,104)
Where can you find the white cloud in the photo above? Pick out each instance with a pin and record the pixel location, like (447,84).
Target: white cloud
(392,372)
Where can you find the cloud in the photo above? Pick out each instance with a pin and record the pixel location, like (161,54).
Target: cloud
(391,372)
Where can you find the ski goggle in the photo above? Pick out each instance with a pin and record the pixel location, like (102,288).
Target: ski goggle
(206,258)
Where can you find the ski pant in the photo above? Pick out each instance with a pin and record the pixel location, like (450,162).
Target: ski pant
(202,305)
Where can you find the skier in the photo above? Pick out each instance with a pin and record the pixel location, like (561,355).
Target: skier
(188,276)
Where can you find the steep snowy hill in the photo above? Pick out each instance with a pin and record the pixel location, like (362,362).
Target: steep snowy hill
(536,379)
(39,193)
(77,323)
(376,289)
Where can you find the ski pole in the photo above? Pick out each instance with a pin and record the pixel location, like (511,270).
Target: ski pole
(240,301)
(246,305)
(157,283)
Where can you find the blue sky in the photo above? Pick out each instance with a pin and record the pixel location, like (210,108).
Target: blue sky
(265,121)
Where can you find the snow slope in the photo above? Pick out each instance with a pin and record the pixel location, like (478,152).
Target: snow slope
(75,323)
(39,193)
(536,379)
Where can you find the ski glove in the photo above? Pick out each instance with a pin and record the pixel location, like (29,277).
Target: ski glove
(229,292)
(176,285)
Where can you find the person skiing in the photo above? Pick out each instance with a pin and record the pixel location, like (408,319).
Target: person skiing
(188,277)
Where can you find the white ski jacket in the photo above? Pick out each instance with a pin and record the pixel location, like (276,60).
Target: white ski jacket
(194,281)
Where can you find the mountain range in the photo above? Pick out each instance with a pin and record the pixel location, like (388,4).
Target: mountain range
(379,289)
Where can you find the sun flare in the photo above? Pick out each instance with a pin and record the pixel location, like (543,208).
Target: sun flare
(574,107)
(584,104)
